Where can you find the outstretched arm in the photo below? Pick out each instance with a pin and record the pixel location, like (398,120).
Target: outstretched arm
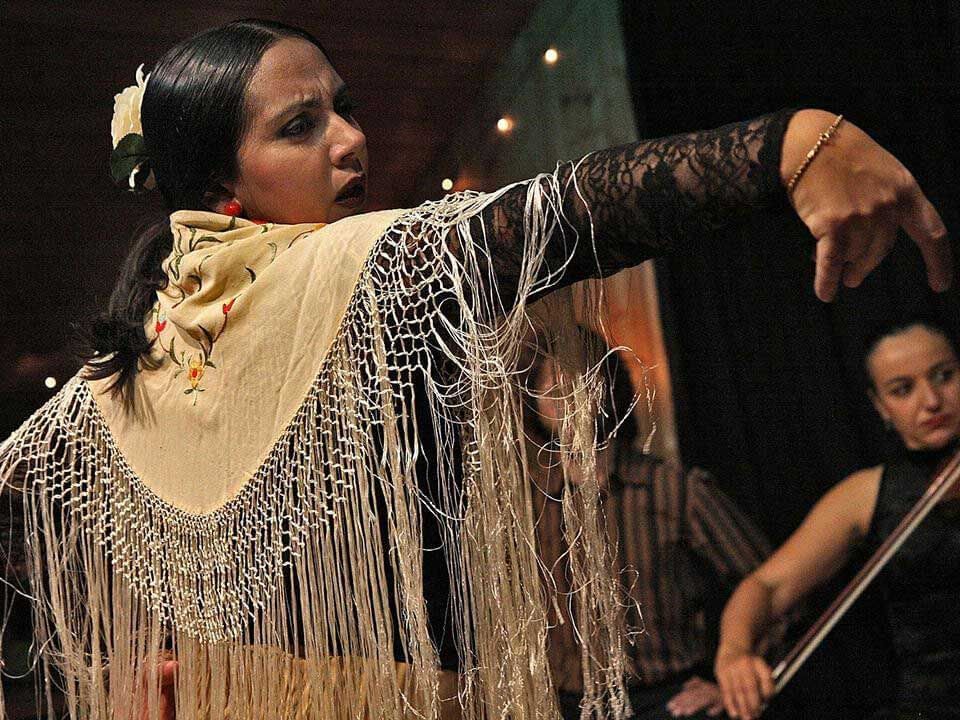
(658,196)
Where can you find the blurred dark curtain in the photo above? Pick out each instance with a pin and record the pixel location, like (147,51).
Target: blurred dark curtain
(767,378)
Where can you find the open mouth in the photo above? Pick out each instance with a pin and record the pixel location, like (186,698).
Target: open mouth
(353,193)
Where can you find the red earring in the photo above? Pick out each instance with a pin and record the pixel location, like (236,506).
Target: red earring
(232,208)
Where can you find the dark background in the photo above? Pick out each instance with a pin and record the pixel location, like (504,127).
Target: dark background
(767,378)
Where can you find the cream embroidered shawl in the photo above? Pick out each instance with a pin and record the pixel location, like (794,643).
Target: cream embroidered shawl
(233,518)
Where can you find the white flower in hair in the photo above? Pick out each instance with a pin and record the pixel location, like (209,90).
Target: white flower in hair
(126,109)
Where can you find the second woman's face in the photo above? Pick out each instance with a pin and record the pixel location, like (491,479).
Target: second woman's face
(917,387)
(303,157)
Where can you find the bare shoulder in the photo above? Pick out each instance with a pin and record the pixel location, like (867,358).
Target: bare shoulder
(855,497)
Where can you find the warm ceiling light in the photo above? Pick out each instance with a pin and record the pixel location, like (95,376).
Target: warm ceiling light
(50,382)
(550,56)
(504,125)
(447,184)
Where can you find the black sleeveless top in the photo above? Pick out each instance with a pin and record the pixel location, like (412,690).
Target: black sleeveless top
(921,586)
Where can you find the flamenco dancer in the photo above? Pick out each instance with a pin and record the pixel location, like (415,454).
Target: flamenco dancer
(294,459)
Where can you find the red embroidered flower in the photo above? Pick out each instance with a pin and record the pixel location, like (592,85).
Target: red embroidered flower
(195,371)
(227,307)
(160,325)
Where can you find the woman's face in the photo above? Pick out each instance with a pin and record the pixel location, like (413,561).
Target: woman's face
(302,158)
(916,384)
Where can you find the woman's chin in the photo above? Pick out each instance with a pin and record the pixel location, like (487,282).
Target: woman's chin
(935,439)
(340,210)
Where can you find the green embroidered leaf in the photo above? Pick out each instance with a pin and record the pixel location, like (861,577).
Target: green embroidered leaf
(301,235)
(210,364)
(209,337)
(188,391)
(253,275)
(233,223)
(273,251)
(129,155)
(175,266)
(172,352)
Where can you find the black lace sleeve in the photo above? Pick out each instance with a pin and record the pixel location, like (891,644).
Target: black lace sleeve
(647,198)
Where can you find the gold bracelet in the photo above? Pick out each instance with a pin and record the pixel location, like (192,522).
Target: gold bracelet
(824,136)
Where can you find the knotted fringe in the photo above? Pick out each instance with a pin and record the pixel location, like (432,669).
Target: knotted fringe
(285,602)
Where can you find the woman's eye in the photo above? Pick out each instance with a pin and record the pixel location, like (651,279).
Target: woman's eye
(298,126)
(944,375)
(900,390)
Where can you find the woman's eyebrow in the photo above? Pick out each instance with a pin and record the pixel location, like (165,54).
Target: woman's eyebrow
(308,103)
(311,102)
(897,380)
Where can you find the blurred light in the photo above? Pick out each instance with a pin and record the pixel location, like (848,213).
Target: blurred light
(50,382)
(550,55)
(504,125)
(447,184)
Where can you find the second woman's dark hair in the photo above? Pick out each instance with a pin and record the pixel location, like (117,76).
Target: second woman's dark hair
(928,321)
(193,118)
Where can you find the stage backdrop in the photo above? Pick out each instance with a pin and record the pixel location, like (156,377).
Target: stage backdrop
(561,111)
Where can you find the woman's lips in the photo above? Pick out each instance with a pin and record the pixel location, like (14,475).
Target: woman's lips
(936,422)
(353,193)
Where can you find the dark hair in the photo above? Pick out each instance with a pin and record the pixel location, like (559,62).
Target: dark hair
(927,321)
(193,119)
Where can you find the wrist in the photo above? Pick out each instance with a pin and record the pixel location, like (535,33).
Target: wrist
(801,135)
(729,650)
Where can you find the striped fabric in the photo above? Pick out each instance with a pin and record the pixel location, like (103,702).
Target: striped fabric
(669,525)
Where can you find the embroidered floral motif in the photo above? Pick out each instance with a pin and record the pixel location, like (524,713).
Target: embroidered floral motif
(183,283)
(194,364)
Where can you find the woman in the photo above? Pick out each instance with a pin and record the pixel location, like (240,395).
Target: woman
(676,534)
(293,459)
(915,387)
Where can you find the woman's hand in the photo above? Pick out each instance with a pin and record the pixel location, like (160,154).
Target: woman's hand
(167,677)
(697,695)
(745,683)
(853,197)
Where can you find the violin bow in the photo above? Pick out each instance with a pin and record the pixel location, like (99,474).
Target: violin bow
(794,659)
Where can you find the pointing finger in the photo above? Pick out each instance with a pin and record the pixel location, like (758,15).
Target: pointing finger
(829,268)
(879,239)
(924,224)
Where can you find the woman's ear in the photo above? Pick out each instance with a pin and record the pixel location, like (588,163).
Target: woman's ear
(878,406)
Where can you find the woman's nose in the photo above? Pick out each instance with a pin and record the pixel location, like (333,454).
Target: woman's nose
(932,398)
(347,143)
